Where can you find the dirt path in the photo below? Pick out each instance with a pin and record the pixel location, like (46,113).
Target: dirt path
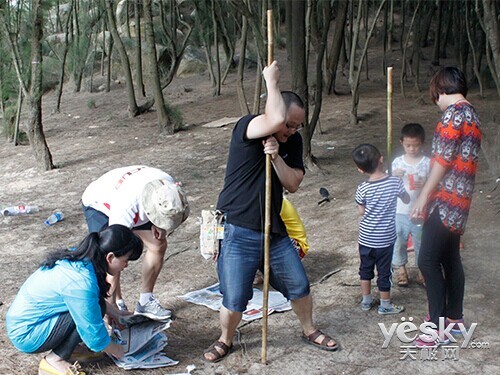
(88,142)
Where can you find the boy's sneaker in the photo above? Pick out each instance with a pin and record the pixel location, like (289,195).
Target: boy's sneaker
(367,306)
(425,341)
(392,309)
(153,310)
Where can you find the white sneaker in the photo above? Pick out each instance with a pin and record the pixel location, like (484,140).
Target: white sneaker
(153,310)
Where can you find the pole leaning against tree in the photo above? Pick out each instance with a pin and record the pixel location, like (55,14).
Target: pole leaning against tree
(267,219)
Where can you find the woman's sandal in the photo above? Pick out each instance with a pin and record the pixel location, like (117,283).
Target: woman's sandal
(218,355)
(311,339)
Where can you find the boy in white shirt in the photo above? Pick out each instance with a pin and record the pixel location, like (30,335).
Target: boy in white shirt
(413,167)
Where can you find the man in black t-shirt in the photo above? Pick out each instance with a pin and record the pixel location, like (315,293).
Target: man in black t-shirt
(242,201)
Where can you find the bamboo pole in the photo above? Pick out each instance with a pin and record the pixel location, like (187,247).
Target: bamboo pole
(267,222)
(389,116)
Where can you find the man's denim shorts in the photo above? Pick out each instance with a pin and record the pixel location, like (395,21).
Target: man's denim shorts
(242,254)
(97,221)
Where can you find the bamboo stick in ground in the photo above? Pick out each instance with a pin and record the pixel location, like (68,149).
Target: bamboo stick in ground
(267,220)
(389,116)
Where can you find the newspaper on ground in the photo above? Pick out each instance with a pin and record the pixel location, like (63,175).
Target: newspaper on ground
(211,297)
(221,122)
(143,343)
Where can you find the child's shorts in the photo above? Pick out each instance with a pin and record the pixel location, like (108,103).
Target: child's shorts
(379,257)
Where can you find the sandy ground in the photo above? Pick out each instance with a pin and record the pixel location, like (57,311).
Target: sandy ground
(86,142)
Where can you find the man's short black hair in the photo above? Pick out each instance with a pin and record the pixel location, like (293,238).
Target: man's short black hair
(289,97)
(413,130)
(366,157)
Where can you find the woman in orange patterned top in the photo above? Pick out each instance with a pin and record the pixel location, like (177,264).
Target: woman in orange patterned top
(445,200)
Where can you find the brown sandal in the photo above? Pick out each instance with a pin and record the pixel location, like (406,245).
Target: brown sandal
(311,339)
(212,349)
(403,279)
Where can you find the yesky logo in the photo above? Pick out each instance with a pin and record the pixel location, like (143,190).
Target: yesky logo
(407,331)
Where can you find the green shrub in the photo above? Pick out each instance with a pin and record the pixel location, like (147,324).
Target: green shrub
(175,115)
(9,122)
(91,104)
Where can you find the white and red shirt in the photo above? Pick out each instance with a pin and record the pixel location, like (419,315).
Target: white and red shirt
(419,170)
(118,194)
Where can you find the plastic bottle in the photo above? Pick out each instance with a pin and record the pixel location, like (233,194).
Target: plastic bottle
(19,210)
(54,218)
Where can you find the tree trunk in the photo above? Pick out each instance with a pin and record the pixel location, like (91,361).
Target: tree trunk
(403,23)
(475,67)
(2,104)
(164,122)
(318,97)
(352,67)
(58,18)
(390,27)
(228,43)
(241,68)
(437,36)
(425,23)
(35,127)
(103,46)
(176,47)
(133,109)
(405,47)
(81,45)
(366,7)
(94,59)
(258,85)
(417,52)
(354,76)
(336,45)
(461,45)
(63,62)
(216,46)
(289,28)
(20,98)
(493,35)
(298,56)
(447,30)
(138,52)
(109,64)
(127,18)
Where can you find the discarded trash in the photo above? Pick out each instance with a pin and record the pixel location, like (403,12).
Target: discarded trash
(188,370)
(54,218)
(325,194)
(19,210)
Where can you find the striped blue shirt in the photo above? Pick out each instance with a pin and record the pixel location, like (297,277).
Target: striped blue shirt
(378,226)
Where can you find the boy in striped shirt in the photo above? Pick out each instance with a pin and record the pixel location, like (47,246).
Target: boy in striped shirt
(377,199)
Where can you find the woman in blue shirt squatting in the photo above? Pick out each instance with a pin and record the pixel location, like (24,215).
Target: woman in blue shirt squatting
(63,302)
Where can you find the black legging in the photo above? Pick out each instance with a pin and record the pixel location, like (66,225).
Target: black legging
(63,338)
(440,263)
